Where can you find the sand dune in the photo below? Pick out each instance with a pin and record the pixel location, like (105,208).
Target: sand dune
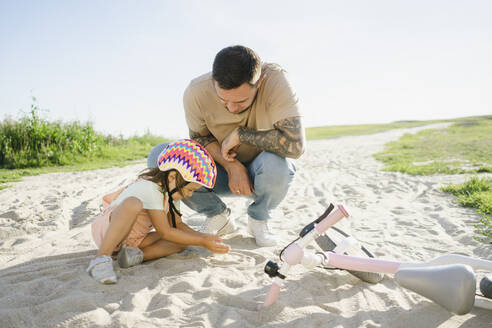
(45,246)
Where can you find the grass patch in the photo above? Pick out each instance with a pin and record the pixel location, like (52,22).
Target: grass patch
(476,193)
(324,132)
(464,147)
(33,145)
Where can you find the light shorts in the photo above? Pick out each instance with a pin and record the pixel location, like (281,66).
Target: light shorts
(140,229)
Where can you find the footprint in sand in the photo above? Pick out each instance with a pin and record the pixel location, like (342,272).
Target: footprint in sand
(180,287)
(158,301)
(12,215)
(238,259)
(318,192)
(233,283)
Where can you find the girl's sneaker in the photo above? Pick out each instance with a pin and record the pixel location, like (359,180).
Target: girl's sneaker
(129,256)
(101,269)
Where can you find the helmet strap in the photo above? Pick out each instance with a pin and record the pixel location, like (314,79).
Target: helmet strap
(172,208)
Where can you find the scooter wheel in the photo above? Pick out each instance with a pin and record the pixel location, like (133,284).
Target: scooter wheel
(486,287)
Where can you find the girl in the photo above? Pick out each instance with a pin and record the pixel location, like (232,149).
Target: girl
(126,224)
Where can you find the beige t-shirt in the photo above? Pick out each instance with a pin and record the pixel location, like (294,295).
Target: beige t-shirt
(276,100)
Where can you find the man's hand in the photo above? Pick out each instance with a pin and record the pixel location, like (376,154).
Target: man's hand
(230,145)
(214,243)
(239,181)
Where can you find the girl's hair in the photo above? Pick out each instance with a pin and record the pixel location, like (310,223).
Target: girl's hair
(157,176)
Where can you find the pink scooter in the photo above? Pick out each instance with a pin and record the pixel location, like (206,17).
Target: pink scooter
(448,280)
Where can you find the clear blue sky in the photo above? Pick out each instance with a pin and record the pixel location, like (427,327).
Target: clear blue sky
(125,64)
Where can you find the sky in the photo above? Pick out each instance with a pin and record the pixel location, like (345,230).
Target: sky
(123,65)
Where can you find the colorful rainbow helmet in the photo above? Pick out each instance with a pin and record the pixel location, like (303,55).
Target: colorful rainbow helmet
(190,159)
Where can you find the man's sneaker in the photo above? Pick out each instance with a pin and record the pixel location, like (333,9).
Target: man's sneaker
(129,256)
(101,269)
(220,224)
(261,232)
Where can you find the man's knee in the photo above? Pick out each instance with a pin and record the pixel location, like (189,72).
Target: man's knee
(154,155)
(279,169)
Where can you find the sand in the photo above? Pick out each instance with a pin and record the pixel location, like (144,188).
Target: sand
(45,246)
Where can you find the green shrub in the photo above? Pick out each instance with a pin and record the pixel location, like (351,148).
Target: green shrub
(32,145)
(476,193)
(35,142)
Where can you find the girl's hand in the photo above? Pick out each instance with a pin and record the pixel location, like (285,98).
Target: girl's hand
(214,243)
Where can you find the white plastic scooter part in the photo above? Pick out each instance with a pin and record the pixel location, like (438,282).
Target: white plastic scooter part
(348,245)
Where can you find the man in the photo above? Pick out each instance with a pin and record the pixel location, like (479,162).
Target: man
(246,115)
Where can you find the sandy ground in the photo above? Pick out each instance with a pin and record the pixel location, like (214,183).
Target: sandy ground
(45,246)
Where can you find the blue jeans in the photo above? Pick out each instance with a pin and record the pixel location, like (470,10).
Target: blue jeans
(270,174)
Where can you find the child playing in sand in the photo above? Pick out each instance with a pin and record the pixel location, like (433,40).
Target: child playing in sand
(127,223)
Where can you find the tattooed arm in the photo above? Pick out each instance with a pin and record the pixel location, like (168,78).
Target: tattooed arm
(239,181)
(202,140)
(287,139)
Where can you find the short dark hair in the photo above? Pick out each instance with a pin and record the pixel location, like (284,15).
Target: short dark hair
(235,65)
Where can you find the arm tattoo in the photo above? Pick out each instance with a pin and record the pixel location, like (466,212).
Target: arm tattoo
(202,140)
(286,139)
